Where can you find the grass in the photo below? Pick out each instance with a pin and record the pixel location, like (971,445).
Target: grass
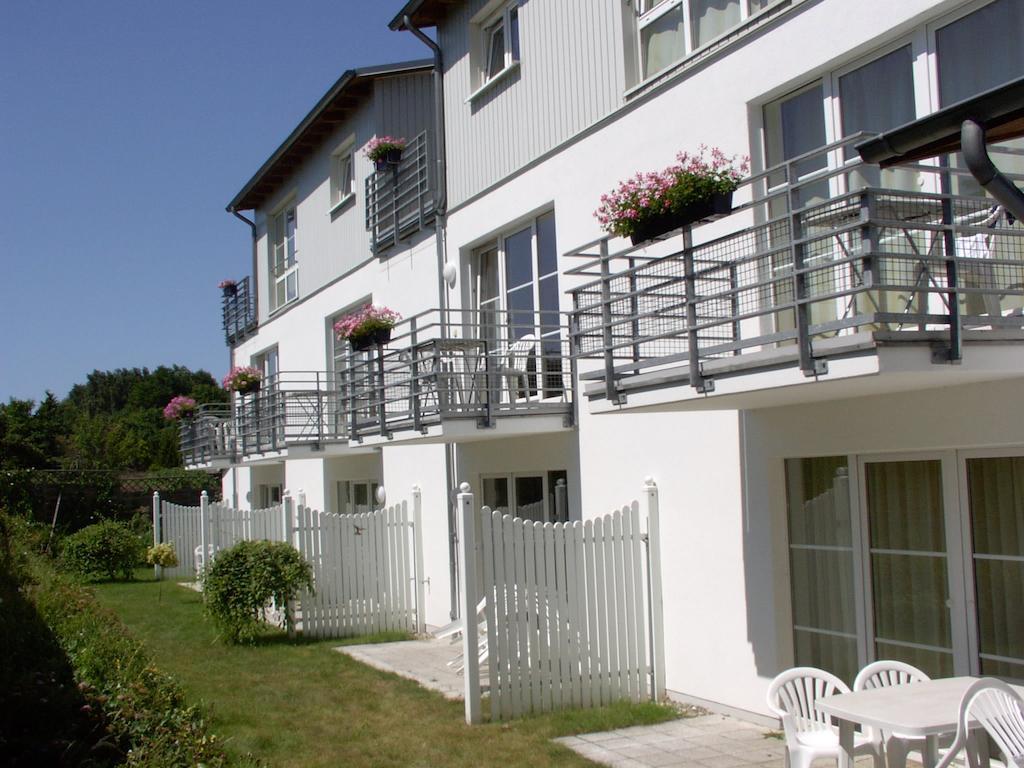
(304,704)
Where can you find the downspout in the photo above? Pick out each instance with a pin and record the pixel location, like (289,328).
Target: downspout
(231,353)
(440,224)
(972,143)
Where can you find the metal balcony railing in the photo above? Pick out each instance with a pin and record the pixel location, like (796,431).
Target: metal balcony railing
(844,251)
(207,437)
(239,311)
(290,408)
(400,199)
(460,364)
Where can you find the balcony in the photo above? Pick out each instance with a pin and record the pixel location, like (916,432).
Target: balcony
(835,274)
(239,310)
(206,441)
(400,200)
(462,374)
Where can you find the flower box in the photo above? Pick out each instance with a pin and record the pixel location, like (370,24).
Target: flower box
(700,212)
(363,342)
(228,288)
(244,380)
(385,152)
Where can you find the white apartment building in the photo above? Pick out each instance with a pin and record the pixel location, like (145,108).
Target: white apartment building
(823,385)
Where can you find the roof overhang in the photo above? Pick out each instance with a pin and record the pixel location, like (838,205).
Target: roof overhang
(999,111)
(336,106)
(423,13)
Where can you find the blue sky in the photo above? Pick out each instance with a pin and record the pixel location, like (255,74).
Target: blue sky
(125,128)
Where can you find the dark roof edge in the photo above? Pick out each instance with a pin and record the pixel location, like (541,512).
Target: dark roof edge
(347,78)
(915,140)
(409,9)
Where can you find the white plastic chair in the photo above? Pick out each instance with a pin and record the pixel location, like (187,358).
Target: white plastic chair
(513,366)
(996,707)
(882,674)
(809,732)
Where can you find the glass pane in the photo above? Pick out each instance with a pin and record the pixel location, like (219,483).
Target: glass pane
(520,312)
(794,126)
(909,578)
(712,18)
(496,493)
(519,258)
(513,21)
(662,41)
(996,500)
(530,498)
(821,564)
(290,236)
(980,51)
(547,251)
(496,55)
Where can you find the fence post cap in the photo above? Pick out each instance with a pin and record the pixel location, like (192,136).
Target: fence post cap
(416,488)
(463,487)
(205,495)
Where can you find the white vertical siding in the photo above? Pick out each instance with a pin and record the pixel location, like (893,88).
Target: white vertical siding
(571,74)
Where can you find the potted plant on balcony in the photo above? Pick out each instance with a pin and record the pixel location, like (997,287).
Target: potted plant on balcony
(385,151)
(180,407)
(367,327)
(697,188)
(228,287)
(243,379)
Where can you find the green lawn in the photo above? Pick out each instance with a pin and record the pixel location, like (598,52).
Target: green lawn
(303,704)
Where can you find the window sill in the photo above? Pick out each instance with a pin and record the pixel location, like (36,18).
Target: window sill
(341,203)
(503,75)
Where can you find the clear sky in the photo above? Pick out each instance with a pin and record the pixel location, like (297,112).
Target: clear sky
(125,128)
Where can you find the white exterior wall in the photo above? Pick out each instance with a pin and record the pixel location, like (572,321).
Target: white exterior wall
(722,571)
(424,466)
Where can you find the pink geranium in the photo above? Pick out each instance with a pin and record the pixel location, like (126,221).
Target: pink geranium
(179,407)
(366,320)
(379,146)
(691,179)
(242,378)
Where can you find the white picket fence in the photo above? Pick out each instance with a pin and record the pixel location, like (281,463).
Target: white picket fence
(366,570)
(572,610)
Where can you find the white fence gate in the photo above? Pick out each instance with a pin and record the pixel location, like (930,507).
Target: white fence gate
(181,526)
(573,611)
(366,570)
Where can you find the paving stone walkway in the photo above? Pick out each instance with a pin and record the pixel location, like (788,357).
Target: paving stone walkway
(708,741)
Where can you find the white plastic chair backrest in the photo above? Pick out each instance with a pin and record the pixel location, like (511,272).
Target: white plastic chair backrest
(793,694)
(882,674)
(520,350)
(999,709)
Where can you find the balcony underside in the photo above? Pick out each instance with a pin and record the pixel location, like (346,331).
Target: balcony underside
(860,364)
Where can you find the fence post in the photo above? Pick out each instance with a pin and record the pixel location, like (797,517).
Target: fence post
(417,549)
(291,524)
(467,579)
(285,515)
(157,570)
(204,521)
(650,495)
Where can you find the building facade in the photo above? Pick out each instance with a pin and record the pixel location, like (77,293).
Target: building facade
(826,403)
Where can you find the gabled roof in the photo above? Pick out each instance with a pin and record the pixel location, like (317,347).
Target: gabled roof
(424,13)
(336,106)
(999,110)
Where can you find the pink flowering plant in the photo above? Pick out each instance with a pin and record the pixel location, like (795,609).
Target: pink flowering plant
(242,378)
(227,284)
(365,321)
(693,178)
(378,147)
(179,407)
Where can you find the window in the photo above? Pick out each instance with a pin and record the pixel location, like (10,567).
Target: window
(356,497)
(342,176)
(284,271)
(515,291)
(917,558)
(496,48)
(672,29)
(537,496)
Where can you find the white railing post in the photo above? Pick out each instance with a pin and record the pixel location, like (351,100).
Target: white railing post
(467,580)
(291,534)
(650,495)
(285,515)
(417,553)
(204,522)
(157,570)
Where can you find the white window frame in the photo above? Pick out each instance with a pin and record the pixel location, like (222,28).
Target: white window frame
(286,268)
(483,28)
(343,175)
(649,11)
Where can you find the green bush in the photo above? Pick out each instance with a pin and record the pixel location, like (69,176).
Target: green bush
(104,550)
(242,580)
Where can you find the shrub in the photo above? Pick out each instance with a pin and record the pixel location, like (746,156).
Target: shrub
(104,550)
(242,580)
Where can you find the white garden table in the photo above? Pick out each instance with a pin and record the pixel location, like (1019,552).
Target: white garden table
(923,710)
